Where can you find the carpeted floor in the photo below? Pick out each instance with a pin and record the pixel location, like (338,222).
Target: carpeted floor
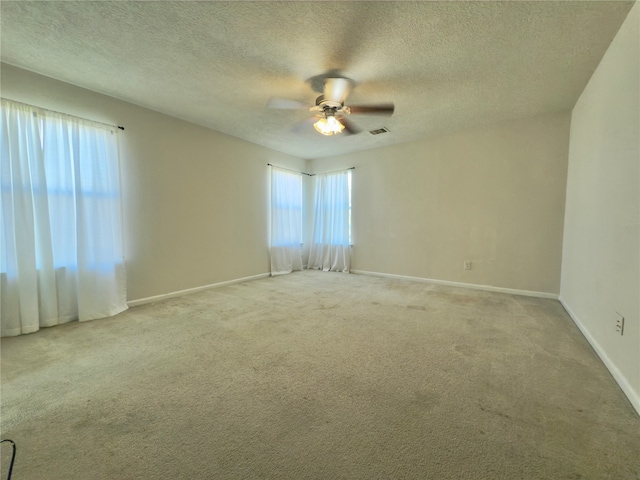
(318,376)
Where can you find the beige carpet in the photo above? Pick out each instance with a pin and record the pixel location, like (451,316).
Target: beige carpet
(318,376)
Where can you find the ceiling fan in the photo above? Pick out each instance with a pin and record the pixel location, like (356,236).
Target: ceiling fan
(330,118)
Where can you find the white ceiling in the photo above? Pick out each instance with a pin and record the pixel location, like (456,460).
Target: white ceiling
(445,65)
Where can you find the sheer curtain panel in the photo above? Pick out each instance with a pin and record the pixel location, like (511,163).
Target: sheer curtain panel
(286,221)
(331,237)
(61,248)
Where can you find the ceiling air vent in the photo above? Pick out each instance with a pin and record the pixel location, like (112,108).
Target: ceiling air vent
(379,131)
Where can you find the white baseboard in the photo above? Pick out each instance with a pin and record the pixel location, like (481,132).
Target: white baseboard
(473,286)
(617,375)
(155,298)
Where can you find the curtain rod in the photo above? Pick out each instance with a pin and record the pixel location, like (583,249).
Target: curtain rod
(312,174)
(336,171)
(295,171)
(62,113)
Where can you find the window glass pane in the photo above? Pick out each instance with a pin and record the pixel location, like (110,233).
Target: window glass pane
(286,208)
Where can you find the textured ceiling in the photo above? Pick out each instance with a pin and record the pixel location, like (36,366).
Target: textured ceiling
(445,65)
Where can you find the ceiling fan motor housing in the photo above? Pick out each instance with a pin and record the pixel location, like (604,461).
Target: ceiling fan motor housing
(330,109)
(321,101)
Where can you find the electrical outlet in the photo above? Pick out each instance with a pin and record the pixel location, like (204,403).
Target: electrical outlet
(620,324)
(467,264)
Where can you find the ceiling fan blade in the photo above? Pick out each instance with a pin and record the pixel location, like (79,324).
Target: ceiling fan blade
(286,104)
(349,127)
(381,109)
(336,89)
(304,125)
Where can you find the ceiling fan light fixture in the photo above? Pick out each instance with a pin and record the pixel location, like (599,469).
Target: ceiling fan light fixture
(328,125)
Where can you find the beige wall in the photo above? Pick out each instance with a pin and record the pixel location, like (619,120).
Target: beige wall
(601,255)
(493,195)
(195,201)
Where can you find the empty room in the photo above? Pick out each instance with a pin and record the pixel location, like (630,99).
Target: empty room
(320,240)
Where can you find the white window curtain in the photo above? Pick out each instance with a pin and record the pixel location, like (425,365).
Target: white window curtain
(286,221)
(330,249)
(61,248)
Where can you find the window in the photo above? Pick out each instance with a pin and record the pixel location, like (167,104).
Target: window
(61,252)
(286,208)
(349,188)
(331,237)
(286,221)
